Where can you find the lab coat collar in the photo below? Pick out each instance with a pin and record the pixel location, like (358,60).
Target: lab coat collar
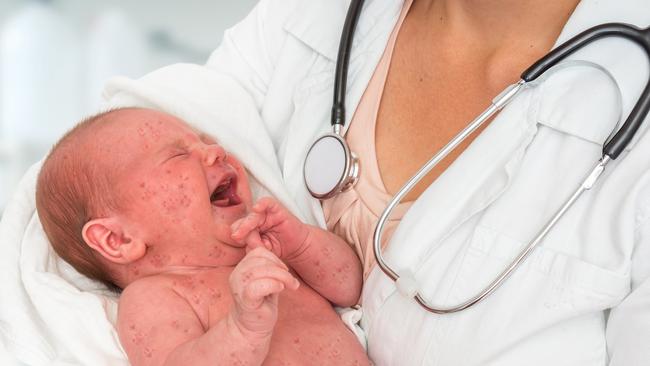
(318,23)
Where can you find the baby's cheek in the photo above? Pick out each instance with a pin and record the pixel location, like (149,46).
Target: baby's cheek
(173,197)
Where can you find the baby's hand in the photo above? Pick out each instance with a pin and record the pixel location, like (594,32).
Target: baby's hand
(273,227)
(255,284)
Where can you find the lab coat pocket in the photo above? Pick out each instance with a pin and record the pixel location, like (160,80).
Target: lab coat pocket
(552,301)
(548,280)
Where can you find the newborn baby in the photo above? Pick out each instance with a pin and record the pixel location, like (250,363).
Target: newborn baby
(140,201)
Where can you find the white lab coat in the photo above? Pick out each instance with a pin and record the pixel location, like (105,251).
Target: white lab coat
(494,198)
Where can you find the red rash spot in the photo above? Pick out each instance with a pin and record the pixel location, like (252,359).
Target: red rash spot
(188,283)
(201,281)
(159,260)
(142,185)
(138,338)
(196,299)
(136,272)
(216,252)
(296,340)
(215,297)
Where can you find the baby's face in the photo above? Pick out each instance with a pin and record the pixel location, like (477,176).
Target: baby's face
(179,190)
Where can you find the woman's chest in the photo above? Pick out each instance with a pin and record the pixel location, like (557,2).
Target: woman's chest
(426,101)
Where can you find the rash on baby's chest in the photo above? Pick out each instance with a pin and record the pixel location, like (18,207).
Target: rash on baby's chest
(208,294)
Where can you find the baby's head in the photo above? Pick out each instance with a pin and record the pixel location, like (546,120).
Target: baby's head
(134,192)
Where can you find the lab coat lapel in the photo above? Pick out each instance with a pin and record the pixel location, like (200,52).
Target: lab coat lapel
(319,26)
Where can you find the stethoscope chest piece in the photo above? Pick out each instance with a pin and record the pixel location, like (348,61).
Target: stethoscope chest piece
(330,167)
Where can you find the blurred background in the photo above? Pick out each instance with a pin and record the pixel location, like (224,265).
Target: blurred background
(56,55)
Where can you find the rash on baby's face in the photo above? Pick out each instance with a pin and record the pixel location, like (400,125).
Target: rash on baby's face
(178,189)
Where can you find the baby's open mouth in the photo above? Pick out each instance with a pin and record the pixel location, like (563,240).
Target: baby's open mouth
(225,194)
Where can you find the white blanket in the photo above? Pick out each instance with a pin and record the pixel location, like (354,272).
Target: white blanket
(49,313)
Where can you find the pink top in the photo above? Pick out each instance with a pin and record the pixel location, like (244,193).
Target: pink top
(353,214)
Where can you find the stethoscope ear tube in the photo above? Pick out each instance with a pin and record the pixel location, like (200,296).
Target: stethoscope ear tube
(624,135)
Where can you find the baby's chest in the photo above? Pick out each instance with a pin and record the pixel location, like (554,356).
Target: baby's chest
(208,294)
(211,299)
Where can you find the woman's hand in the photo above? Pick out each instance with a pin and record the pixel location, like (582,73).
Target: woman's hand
(273,227)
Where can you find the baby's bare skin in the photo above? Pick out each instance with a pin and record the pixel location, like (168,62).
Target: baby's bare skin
(208,277)
(308,331)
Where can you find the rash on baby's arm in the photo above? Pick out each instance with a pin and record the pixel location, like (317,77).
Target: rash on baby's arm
(153,320)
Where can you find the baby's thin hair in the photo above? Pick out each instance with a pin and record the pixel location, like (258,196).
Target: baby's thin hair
(72,188)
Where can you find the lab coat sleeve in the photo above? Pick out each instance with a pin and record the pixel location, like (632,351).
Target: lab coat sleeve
(628,326)
(249,50)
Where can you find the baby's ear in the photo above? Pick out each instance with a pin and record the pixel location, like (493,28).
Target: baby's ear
(107,237)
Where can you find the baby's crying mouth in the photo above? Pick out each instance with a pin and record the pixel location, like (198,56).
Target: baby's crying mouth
(225,194)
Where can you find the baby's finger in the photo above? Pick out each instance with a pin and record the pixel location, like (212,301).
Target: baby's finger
(253,241)
(257,290)
(272,272)
(242,227)
(262,252)
(265,204)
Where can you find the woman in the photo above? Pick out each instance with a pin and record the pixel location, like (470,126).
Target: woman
(419,72)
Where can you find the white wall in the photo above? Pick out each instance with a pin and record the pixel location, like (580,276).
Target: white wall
(191,29)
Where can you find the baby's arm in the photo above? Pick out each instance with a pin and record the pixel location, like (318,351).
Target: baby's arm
(157,326)
(323,260)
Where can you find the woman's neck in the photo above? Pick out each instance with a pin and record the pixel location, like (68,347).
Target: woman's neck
(499,24)
(494,40)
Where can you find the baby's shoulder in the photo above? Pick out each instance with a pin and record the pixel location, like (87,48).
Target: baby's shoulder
(140,297)
(150,287)
(152,291)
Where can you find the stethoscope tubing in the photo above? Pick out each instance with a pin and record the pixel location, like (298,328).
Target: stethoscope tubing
(615,146)
(342,62)
(406,282)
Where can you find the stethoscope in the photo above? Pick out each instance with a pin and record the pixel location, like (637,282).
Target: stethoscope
(330,167)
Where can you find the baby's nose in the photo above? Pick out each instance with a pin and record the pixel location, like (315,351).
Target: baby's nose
(213,153)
